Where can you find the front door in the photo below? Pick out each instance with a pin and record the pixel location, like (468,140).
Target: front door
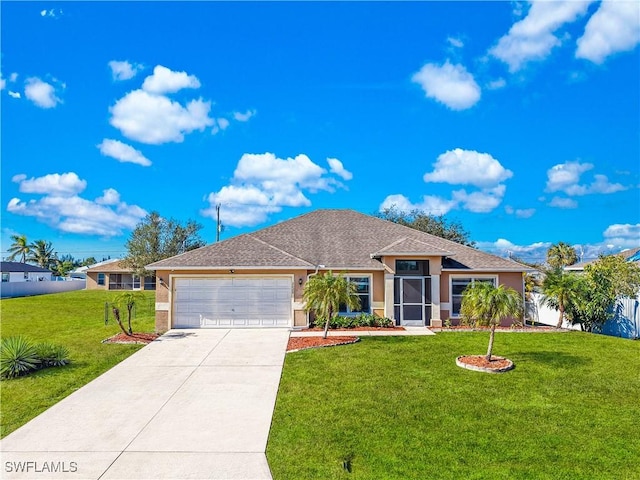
(412,302)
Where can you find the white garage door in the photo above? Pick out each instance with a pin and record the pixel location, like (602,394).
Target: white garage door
(232,302)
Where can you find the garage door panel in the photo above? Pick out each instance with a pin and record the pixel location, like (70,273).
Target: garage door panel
(232,302)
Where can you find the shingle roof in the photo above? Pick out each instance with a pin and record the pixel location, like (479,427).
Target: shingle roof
(8,267)
(337,239)
(108,266)
(630,255)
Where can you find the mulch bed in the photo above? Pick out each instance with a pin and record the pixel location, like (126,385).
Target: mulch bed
(496,363)
(134,338)
(302,343)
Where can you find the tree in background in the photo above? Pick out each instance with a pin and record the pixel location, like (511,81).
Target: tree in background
(63,265)
(435,225)
(562,290)
(19,248)
(87,262)
(604,283)
(560,255)
(42,254)
(484,304)
(156,238)
(325,293)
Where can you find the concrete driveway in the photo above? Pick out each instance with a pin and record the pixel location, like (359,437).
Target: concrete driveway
(194,404)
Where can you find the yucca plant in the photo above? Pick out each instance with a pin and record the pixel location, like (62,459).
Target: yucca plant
(18,356)
(52,355)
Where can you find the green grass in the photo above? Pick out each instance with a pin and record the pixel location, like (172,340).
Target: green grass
(76,321)
(399,408)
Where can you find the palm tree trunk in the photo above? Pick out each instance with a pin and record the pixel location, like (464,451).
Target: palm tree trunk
(116,314)
(129,308)
(491,337)
(326,325)
(561,317)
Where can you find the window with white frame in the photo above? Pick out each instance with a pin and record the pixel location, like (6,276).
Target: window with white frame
(458,284)
(363,288)
(101,279)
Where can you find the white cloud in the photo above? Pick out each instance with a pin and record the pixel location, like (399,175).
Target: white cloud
(155,119)
(565,177)
(534,252)
(497,84)
(455,42)
(13,77)
(561,202)
(65,184)
(244,117)
(520,212)
(263,184)
(482,201)
(41,93)
(164,80)
(3,83)
(448,84)
(62,208)
(615,27)
(122,152)
(110,196)
(124,70)
(51,13)
(430,204)
(532,38)
(13,94)
(337,168)
(623,235)
(467,167)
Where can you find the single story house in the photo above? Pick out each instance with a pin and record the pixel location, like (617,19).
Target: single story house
(113,275)
(24,272)
(257,279)
(630,255)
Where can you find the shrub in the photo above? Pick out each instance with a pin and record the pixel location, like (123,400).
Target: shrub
(52,355)
(360,320)
(18,356)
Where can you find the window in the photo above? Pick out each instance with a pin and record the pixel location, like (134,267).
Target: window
(121,281)
(101,279)
(5,277)
(412,267)
(136,282)
(363,288)
(458,284)
(150,283)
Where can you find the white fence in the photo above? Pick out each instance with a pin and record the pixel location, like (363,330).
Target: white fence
(25,289)
(626,322)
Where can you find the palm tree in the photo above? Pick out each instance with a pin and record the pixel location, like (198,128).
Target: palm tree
(485,304)
(19,248)
(42,253)
(561,255)
(129,299)
(325,293)
(561,290)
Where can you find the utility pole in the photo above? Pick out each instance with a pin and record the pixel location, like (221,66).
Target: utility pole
(217,222)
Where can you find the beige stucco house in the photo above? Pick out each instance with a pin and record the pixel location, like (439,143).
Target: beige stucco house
(257,279)
(113,275)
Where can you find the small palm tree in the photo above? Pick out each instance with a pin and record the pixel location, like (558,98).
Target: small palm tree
(129,300)
(19,248)
(42,254)
(561,290)
(485,304)
(325,293)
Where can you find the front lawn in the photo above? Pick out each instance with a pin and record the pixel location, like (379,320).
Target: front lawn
(399,408)
(76,321)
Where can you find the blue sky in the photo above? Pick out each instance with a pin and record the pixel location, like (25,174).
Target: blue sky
(519,120)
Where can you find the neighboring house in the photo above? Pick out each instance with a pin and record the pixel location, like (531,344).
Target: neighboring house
(631,255)
(112,275)
(24,272)
(257,279)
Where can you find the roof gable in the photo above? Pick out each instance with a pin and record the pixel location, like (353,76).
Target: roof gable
(9,267)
